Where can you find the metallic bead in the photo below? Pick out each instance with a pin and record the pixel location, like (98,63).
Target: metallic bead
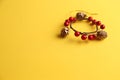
(64,32)
(101,35)
(80,16)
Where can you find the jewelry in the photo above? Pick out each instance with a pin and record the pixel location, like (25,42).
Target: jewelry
(98,34)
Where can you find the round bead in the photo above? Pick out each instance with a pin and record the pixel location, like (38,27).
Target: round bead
(94,36)
(94,21)
(77,33)
(67,20)
(102,26)
(71,19)
(66,23)
(91,37)
(74,19)
(90,18)
(98,23)
(80,16)
(84,37)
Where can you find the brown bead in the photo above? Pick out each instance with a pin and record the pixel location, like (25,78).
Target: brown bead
(80,16)
(101,35)
(64,32)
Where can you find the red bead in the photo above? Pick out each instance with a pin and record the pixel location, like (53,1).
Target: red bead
(91,37)
(84,37)
(94,21)
(94,36)
(71,19)
(98,23)
(66,23)
(77,33)
(102,26)
(74,19)
(67,20)
(90,19)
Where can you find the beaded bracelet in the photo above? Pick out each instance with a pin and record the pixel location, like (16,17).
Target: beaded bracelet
(98,34)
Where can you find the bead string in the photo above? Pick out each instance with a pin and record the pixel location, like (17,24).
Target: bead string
(97,34)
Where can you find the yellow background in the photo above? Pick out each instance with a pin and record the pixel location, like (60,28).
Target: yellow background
(30,48)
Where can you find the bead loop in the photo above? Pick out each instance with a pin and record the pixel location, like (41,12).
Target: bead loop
(98,34)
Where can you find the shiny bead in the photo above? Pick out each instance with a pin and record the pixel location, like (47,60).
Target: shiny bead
(71,19)
(90,19)
(94,35)
(66,23)
(91,37)
(74,19)
(64,32)
(94,21)
(80,16)
(98,23)
(77,33)
(102,26)
(101,35)
(84,37)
